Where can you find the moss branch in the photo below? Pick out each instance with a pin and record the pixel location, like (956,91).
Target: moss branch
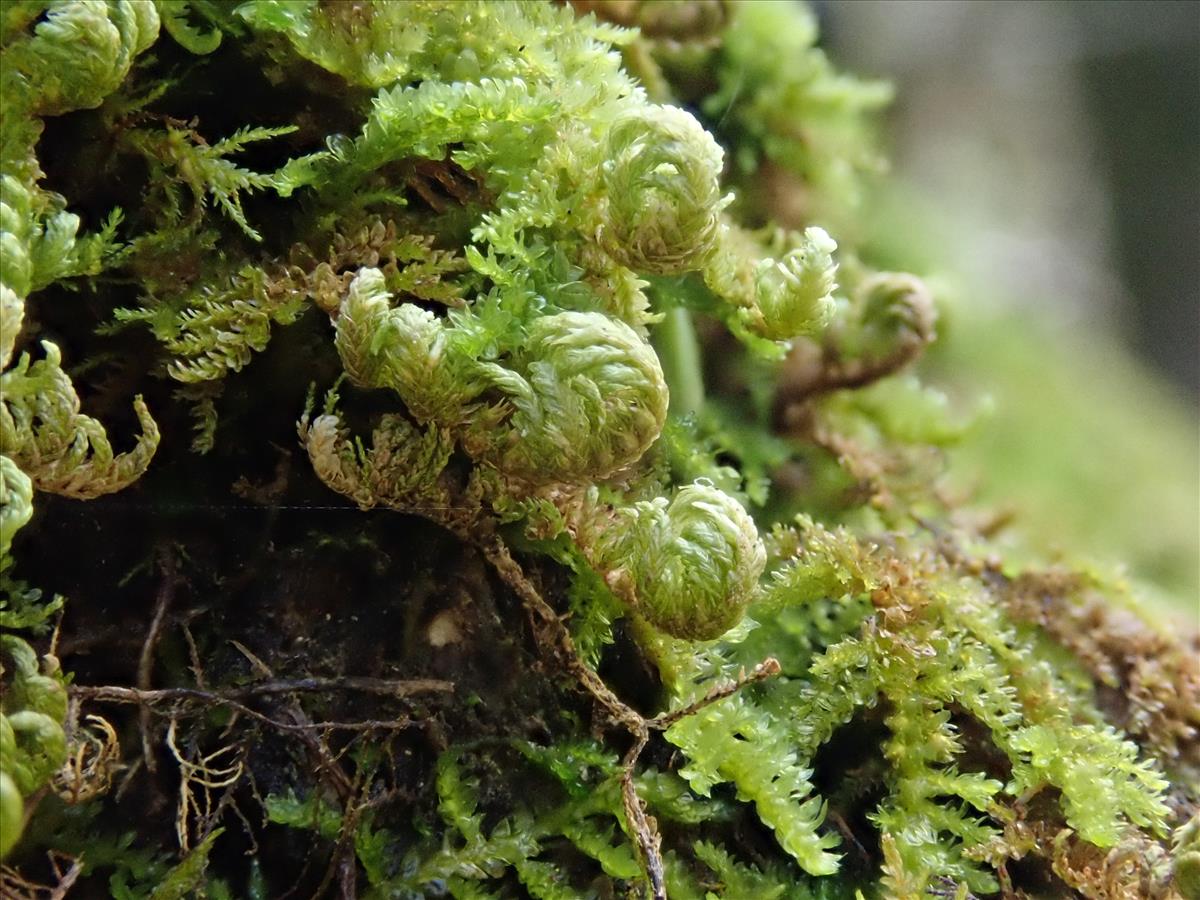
(679,352)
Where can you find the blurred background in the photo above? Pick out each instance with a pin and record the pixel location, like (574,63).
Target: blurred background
(1048,154)
(1058,146)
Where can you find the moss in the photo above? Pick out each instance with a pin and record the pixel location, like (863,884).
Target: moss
(650,577)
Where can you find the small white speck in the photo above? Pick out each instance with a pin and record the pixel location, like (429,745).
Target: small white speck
(443,630)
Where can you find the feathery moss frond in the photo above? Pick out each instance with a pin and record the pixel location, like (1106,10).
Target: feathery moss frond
(662,181)
(575,373)
(211,332)
(78,54)
(33,706)
(368,46)
(176,18)
(400,470)
(955,650)
(690,566)
(62,450)
(180,157)
(16,503)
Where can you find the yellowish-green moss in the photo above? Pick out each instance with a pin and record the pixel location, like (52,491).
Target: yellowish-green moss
(467,221)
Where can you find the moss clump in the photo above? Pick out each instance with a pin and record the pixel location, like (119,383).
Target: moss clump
(647,579)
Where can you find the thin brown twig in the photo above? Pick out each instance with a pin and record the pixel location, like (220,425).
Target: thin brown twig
(643,826)
(380,686)
(815,370)
(555,634)
(768,668)
(66,880)
(194,657)
(344,863)
(328,767)
(116,694)
(555,641)
(13,885)
(145,671)
(549,624)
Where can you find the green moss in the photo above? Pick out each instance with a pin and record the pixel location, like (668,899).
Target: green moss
(488,234)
